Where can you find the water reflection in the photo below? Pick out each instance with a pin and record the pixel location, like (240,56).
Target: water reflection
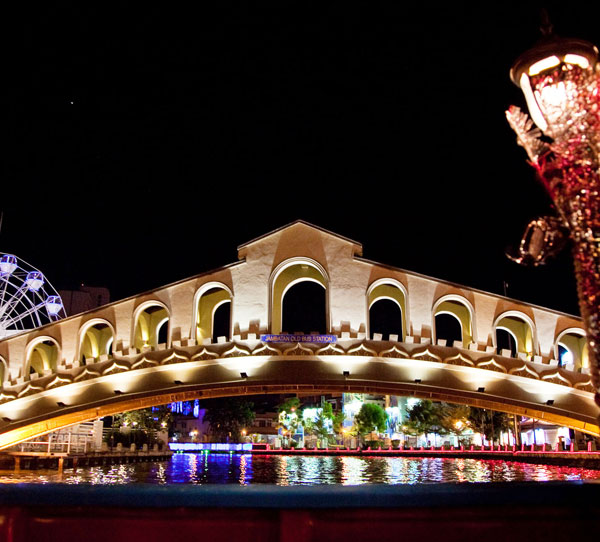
(244,469)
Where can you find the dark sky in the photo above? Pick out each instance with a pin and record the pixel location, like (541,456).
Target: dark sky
(144,144)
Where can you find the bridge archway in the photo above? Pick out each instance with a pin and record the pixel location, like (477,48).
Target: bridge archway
(286,276)
(42,354)
(459,309)
(386,299)
(96,338)
(521,328)
(151,325)
(573,342)
(211,299)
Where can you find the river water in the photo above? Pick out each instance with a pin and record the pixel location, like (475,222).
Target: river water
(244,469)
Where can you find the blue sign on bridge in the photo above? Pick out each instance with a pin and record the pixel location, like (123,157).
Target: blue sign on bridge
(285,338)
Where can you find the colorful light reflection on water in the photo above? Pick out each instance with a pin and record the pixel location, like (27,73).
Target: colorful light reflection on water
(244,469)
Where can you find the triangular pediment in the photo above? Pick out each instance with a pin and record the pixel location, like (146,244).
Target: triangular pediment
(298,230)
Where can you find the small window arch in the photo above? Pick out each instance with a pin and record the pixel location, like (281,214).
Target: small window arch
(521,328)
(285,277)
(386,305)
(149,321)
(95,339)
(571,349)
(42,355)
(212,312)
(449,313)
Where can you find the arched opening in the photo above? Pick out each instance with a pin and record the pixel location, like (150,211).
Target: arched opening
(213,314)
(522,333)
(42,356)
(460,314)
(385,317)
(222,321)
(151,327)
(96,341)
(448,328)
(386,300)
(571,350)
(505,340)
(303,308)
(289,282)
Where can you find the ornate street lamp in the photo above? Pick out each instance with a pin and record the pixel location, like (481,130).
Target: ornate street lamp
(561,82)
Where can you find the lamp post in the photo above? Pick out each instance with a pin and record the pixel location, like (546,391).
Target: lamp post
(560,79)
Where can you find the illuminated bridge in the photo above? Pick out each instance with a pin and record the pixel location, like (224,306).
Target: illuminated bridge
(396,332)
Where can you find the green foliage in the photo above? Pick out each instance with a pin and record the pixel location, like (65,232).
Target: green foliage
(227,417)
(370,417)
(425,417)
(489,422)
(291,404)
(454,418)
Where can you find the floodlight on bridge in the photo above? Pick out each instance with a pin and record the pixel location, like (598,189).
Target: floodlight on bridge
(60,404)
(244,375)
(550,402)
(481,389)
(118,392)
(346,374)
(417,380)
(6,419)
(177,382)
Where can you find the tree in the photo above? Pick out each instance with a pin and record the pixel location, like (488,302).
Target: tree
(227,417)
(425,417)
(370,417)
(289,417)
(489,423)
(454,418)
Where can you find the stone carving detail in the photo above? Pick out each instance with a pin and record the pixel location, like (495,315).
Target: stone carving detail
(556,378)
(585,386)
(459,359)
(426,355)
(236,352)
(362,350)
(29,390)
(174,358)
(524,371)
(393,352)
(331,350)
(58,381)
(116,368)
(86,374)
(144,363)
(5,397)
(298,350)
(266,350)
(204,355)
(491,365)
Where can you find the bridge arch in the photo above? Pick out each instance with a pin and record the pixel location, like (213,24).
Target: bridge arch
(522,328)
(148,321)
(288,274)
(42,354)
(96,338)
(574,341)
(461,310)
(391,290)
(207,300)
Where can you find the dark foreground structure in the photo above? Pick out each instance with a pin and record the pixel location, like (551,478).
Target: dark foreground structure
(506,511)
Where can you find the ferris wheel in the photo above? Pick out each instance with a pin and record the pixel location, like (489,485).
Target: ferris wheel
(27,299)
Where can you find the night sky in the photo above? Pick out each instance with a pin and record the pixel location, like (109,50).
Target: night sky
(144,144)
